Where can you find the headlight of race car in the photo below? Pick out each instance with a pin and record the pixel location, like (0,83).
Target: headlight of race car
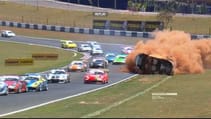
(100,64)
(86,77)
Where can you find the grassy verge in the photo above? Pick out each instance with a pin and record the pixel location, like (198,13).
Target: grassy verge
(30,14)
(192,99)
(15,50)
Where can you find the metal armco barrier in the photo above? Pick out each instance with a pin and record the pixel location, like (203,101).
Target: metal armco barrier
(86,30)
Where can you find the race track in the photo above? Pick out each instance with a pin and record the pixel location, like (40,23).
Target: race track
(14,102)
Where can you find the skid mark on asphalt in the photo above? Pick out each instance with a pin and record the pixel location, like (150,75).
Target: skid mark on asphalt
(125,100)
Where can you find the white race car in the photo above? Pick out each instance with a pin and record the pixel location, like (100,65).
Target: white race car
(84,47)
(7,33)
(96,51)
(58,76)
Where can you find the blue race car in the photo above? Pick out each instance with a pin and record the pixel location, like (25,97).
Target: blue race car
(110,57)
(36,82)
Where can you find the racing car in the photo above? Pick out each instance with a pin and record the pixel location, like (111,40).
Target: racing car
(68,44)
(93,44)
(96,75)
(127,50)
(15,84)
(98,62)
(3,88)
(77,65)
(84,47)
(7,33)
(120,59)
(58,76)
(110,57)
(36,82)
(96,51)
(154,64)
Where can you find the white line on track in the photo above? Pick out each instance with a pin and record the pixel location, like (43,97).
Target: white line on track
(75,54)
(125,100)
(68,97)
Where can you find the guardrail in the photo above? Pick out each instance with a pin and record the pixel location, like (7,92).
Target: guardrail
(87,30)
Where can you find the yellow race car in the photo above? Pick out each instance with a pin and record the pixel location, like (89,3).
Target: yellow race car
(68,44)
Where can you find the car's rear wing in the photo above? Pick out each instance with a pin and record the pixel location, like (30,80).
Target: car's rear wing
(154,64)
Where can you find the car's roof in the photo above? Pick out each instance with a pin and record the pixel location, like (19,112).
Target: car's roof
(33,75)
(91,41)
(109,54)
(68,41)
(96,70)
(10,76)
(121,55)
(99,58)
(54,70)
(128,47)
(76,62)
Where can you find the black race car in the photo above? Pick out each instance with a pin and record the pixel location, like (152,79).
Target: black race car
(98,62)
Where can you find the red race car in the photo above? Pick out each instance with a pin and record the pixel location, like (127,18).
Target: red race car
(15,84)
(96,75)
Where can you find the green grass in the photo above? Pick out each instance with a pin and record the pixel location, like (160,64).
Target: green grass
(30,14)
(15,50)
(193,99)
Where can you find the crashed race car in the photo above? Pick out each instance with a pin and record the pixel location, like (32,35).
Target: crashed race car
(154,64)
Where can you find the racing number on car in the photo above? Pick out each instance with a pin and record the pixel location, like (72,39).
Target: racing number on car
(98,78)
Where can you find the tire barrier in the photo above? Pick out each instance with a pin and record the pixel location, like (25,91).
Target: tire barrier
(19,61)
(86,30)
(45,56)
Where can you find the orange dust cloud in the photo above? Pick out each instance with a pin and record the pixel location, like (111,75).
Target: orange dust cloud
(189,56)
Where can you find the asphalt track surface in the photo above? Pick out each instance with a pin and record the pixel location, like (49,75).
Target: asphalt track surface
(14,102)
